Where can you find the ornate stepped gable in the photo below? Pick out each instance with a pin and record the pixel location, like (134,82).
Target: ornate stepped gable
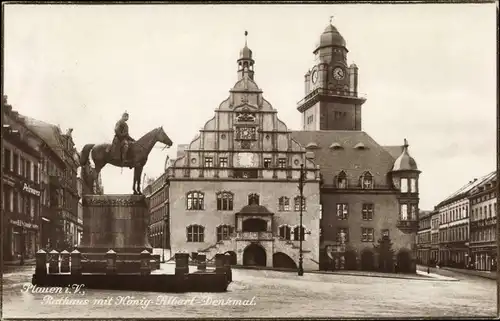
(244,126)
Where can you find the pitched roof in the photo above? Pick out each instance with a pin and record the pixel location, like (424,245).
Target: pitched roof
(254,209)
(467,188)
(395,151)
(354,161)
(48,132)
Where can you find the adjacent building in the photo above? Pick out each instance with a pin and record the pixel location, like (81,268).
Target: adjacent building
(434,248)
(455,216)
(483,225)
(157,194)
(62,183)
(424,235)
(43,206)
(21,189)
(234,187)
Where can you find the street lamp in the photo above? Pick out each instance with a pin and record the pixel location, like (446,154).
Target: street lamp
(301,232)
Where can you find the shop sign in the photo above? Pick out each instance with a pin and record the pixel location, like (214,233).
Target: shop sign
(31,190)
(24,224)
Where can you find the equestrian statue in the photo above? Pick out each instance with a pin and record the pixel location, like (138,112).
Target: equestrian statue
(124,151)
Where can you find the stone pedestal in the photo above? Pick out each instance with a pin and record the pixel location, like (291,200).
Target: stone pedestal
(117,222)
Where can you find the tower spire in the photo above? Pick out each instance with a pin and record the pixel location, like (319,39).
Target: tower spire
(245,62)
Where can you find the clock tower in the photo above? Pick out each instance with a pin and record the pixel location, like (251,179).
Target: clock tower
(331,99)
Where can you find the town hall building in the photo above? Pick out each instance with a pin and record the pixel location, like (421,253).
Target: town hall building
(234,189)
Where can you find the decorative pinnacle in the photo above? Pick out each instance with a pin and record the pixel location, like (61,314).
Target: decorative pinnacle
(331,18)
(405,144)
(246,34)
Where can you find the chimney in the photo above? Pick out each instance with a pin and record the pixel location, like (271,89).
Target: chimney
(307,82)
(353,81)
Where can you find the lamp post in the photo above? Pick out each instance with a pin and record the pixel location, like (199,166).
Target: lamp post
(301,232)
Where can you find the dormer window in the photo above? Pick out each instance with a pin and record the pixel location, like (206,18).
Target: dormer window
(312,146)
(360,146)
(367,181)
(335,146)
(342,180)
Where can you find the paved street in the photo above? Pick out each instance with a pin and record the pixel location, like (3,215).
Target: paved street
(276,294)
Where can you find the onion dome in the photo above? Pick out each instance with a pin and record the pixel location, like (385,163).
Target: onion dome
(405,162)
(246,53)
(331,37)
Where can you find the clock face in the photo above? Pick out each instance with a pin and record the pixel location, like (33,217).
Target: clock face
(314,76)
(338,73)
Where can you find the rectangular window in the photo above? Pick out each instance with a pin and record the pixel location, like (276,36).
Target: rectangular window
(342,211)
(413,185)
(28,170)
(366,234)
(27,205)
(342,235)
(404,212)
(282,163)
(413,213)
(284,204)
(367,212)
(489,211)
(23,167)
(404,185)
(223,162)
(267,162)
(7,160)
(35,173)
(15,169)
(209,162)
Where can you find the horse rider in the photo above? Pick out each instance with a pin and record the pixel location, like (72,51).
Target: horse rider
(123,138)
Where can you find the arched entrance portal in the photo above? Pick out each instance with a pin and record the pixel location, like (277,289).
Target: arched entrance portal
(404,261)
(233,257)
(255,255)
(281,260)
(254,225)
(367,260)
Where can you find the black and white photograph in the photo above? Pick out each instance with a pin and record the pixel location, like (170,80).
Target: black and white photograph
(249,160)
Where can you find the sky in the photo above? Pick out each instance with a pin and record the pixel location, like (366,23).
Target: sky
(428,70)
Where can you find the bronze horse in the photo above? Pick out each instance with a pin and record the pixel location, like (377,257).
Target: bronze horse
(138,152)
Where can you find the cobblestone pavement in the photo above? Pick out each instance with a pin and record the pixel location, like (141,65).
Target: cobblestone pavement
(270,294)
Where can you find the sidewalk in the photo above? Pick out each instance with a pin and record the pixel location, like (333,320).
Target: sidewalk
(483,274)
(418,276)
(17,262)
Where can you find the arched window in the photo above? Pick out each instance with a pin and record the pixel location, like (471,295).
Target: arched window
(253,199)
(224,201)
(283,204)
(366,181)
(224,232)
(195,200)
(341,180)
(297,203)
(195,233)
(296,233)
(285,232)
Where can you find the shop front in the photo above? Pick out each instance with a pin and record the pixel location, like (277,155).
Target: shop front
(484,258)
(23,223)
